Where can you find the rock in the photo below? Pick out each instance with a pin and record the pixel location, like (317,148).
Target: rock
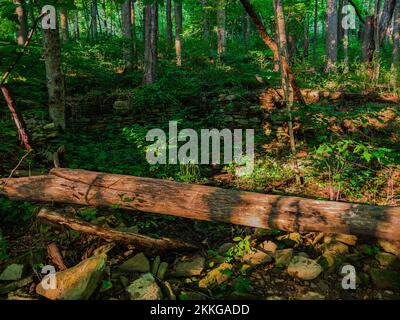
(156,265)
(76,283)
(145,288)
(390,247)
(260,256)
(385,279)
(337,247)
(191,295)
(330,261)
(275,298)
(187,267)
(348,239)
(293,238)
(12,273)
(304,268)
(216,276)
(283,257)
(225,247)
(387,259)
(167,290)
(162,269)
(138,263)
(310,295)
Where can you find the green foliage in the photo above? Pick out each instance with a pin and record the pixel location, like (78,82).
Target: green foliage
(242,245)
(3,248)
(88,213)
(12,211)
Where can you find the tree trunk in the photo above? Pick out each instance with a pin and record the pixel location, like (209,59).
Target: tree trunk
(346,44)
(396,45)
(76,26)
(205,23)
(332,36)
(114,235)
(377,42)
(169,24)
(64,23)
(133,23)
(367,49)
(93,20)
(221,32)
(127,34)
(206,203)
(306,41)
(273,46)
(22,21)
(103,6)
(54,76)
(178,31)
(150,40)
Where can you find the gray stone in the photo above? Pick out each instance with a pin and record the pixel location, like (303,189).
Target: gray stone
(138,263)
(145,288)
(304,268)
(12,272)
(188,266)
(260,256)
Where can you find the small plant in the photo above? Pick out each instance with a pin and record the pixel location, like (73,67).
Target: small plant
(241,247)
(88,214)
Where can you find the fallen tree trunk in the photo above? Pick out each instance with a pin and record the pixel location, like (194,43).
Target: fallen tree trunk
(206,203)
(108,234)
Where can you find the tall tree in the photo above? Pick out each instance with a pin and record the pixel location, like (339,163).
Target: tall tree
(315,28)
(288,93)
(206,26)
(169,23)
(20,10)
(104,9)
(178,31)
(331,36)
(64,22)
(221,31)
(377,42)
(93,19)
(150,42)
(396,44)
(54,76)
(270,43)
(127,34)
(76,25)
(346,43)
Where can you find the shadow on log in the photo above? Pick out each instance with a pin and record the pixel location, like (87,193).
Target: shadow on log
(206,203)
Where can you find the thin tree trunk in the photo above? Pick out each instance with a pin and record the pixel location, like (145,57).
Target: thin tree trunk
(127,34)
(205,23)
(133,22)
(221,31)
(274,47)
(306,41)
(54,76)
(93,19)
(103,6)
(346,44)
(169,24)
(178,31)
(150,42)
(282,45)
(332,36)
(64,23)
(377,42)
(396,44)
(22,21)
(76,25)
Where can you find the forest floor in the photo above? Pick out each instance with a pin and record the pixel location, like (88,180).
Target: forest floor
(357,140)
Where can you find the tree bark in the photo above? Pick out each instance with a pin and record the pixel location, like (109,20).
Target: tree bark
(306,41)
(22,21)
(346,44)
(273,46)
(64,23)
(76,26)
(54,76)
(108,234)
(93,20)
(315,29)
(169,24)
(205,23)
(396,45)
(127,34)
(150,40)
(104,8)
(221,29)
(178,31)
(206,203)
(331,36)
